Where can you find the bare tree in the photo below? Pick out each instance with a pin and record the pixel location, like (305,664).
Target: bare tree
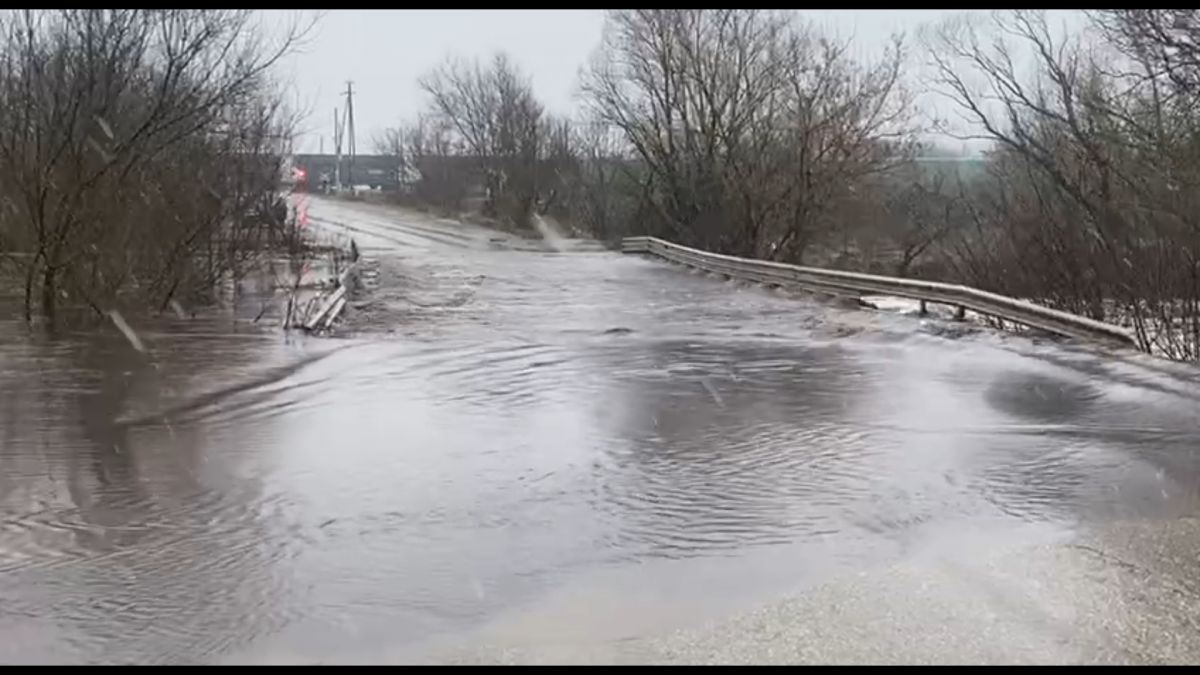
(1093,159)
(105,110)
(434,168)
(900,219)
(1166,42)
(750,126)
(500,123)
(598,179)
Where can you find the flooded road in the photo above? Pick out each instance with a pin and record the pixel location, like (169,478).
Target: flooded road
(538,455)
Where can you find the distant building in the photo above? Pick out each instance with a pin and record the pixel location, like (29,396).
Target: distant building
(379,172)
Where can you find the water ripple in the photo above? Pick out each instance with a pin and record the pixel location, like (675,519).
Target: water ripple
(216,496)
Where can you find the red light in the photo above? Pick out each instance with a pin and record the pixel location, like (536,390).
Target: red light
(300,174)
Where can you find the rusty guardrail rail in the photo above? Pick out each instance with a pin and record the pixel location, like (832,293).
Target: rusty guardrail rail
(853,283)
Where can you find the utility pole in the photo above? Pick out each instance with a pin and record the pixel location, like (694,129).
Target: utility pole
(337,151)
(350,123)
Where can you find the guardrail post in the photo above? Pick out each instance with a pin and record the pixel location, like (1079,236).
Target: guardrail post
(960,313)
(924,310)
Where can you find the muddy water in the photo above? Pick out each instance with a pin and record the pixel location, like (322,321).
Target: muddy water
(577,439)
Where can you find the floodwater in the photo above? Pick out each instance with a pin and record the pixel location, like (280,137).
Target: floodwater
(564,446)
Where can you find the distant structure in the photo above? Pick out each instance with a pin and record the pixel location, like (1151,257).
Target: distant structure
(965,168)
(378,172)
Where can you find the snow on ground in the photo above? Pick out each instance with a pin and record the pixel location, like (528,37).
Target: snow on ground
(889,303)
(907,306)
(939,311)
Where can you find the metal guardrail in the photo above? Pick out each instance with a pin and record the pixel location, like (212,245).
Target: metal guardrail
(853,283)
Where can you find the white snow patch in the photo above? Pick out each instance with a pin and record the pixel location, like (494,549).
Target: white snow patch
(890,303)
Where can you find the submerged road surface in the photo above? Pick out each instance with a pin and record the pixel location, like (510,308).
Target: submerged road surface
(519,452)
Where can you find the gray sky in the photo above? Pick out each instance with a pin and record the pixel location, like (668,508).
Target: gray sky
(385,51)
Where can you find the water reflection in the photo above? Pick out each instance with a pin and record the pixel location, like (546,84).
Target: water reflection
(114,545)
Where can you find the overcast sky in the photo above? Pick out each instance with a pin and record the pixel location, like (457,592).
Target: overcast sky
(385,51)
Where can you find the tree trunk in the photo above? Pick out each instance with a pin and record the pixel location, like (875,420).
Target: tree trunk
(29,275)
(906,261)
(49,294)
